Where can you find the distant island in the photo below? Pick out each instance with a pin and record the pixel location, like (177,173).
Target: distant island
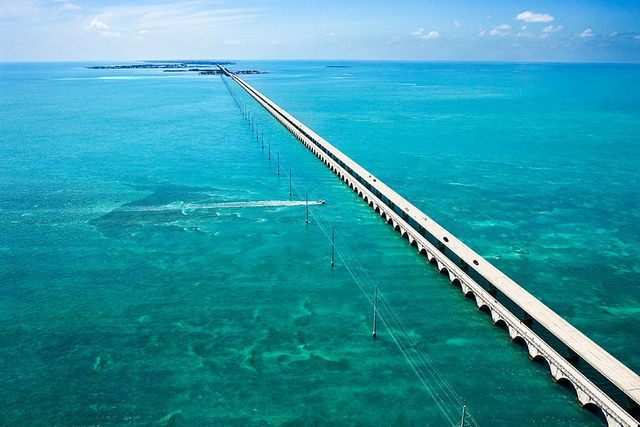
(177,67)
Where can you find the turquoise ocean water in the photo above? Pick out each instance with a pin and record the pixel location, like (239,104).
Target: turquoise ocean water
(152,270)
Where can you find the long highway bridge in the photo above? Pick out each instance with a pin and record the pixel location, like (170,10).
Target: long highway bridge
(477,278)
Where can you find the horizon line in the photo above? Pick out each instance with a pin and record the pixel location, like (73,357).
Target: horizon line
(36,61)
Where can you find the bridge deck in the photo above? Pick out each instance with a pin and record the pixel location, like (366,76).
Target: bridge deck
(610,367)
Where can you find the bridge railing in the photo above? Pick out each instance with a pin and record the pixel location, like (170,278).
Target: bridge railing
(587,391)
(614,414)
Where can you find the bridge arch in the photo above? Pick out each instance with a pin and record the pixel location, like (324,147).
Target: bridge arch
(584,400)
(598,412)
(541,360)
(520,341)
(500,323)
(568,384)
(495,317)
(441,267)
(482,306)
(471,295)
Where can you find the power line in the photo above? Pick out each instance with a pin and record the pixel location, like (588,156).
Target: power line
(449,403)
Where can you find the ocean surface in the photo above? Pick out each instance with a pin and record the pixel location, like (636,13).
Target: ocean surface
(154,268)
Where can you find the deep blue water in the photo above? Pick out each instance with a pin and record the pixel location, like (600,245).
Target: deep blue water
(141,283)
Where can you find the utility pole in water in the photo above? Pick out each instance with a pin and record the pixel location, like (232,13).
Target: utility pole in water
(375,313)
(333,238)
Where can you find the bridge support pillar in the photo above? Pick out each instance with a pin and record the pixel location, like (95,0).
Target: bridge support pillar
(465,288)
(533,352)
(430,256)
(512,333)
(583,398)
(495,317)
(555,373)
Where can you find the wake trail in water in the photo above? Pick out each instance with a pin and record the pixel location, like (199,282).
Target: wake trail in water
(180,206)
(219,205)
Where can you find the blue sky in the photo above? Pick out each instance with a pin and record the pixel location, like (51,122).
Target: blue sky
(582,31)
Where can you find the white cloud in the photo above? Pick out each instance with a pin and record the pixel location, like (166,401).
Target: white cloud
(103,28)
(637,37)
(501,30)
(482,33)
(98,24)
(422,34)
(613,34)
(587,33)
(529,16)
(552,29)
(457,24)
(234,42)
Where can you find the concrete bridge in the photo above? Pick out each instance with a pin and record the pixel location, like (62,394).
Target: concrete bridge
(465,268)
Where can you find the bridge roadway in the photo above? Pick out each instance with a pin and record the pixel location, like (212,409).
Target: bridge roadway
(371,189)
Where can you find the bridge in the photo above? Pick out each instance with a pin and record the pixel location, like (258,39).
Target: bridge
(465,268)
